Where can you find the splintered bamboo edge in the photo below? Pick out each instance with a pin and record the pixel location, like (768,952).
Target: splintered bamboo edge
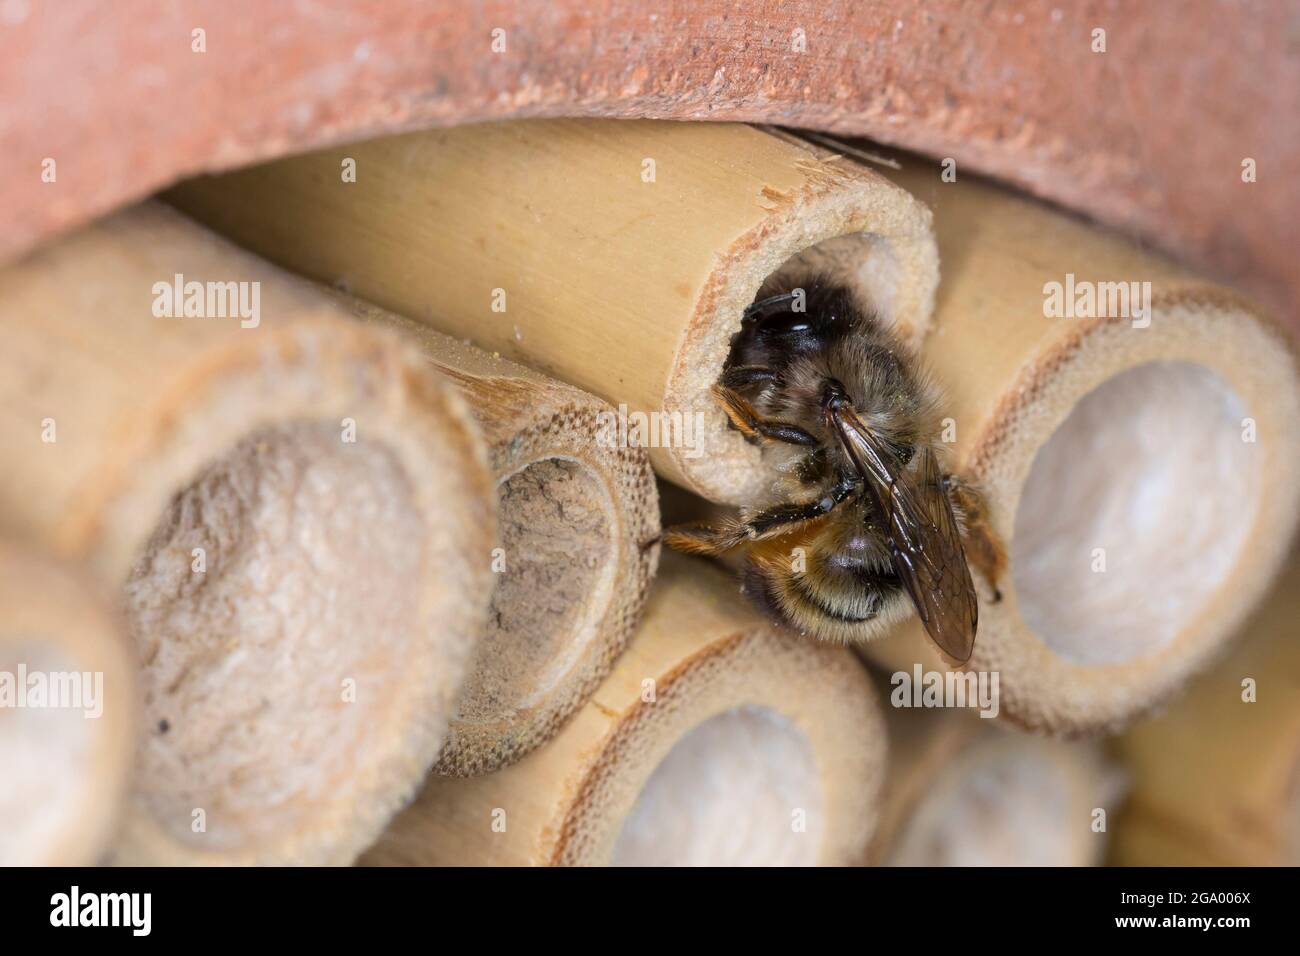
(66,762)
(618,256)
(845,222)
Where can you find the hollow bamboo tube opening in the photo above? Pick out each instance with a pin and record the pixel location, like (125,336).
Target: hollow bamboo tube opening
(297,511)
(1140,464)
(576,508)
(1216,775)
(67,714)
(963,793)
(716,739)
(616,255)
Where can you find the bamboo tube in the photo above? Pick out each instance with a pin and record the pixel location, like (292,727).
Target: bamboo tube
(1216,779)
(717,739)
(1145,479)
(963,793)
(576,509)
(67,715)
(298,514)
(628,288)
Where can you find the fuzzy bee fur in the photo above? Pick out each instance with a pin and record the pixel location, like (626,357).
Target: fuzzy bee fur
(862,527)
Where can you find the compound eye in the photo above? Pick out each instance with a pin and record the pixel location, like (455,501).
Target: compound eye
(789,326)
(776,316)
(775,321)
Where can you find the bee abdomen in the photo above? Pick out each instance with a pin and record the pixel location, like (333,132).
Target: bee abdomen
(850,608)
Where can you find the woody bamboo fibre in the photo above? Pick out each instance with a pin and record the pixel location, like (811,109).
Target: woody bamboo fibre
(1142,468)
(717,739)
(577,513)
(617,256)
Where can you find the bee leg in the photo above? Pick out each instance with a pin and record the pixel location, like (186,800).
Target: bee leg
(782,519)
(703,539)
(754,428)
(984,550)
(768,523)
(743,376)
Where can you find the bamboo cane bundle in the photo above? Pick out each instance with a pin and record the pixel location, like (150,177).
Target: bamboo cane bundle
(618,256)
(577,509)
(1142,465)
(1087,433)
(296,511)
(716,739)
(1216,777)
(67,714)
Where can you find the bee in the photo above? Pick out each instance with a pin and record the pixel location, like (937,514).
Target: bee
(862,526)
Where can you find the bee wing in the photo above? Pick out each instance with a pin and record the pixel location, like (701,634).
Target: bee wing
(923,535)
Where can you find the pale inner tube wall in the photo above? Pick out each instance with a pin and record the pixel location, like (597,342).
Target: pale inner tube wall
(741,789)
(1151,474)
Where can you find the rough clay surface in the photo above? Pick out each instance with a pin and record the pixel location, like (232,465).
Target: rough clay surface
(309,545)
(45,761)
(1160,487)
(1149,135)
(556,541)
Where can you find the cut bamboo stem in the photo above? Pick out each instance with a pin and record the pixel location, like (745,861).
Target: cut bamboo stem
(963,793)
(618,256)
(296,511)
(717,739)
(1143,470)
(67,714)
(1216,776)
(578,511)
